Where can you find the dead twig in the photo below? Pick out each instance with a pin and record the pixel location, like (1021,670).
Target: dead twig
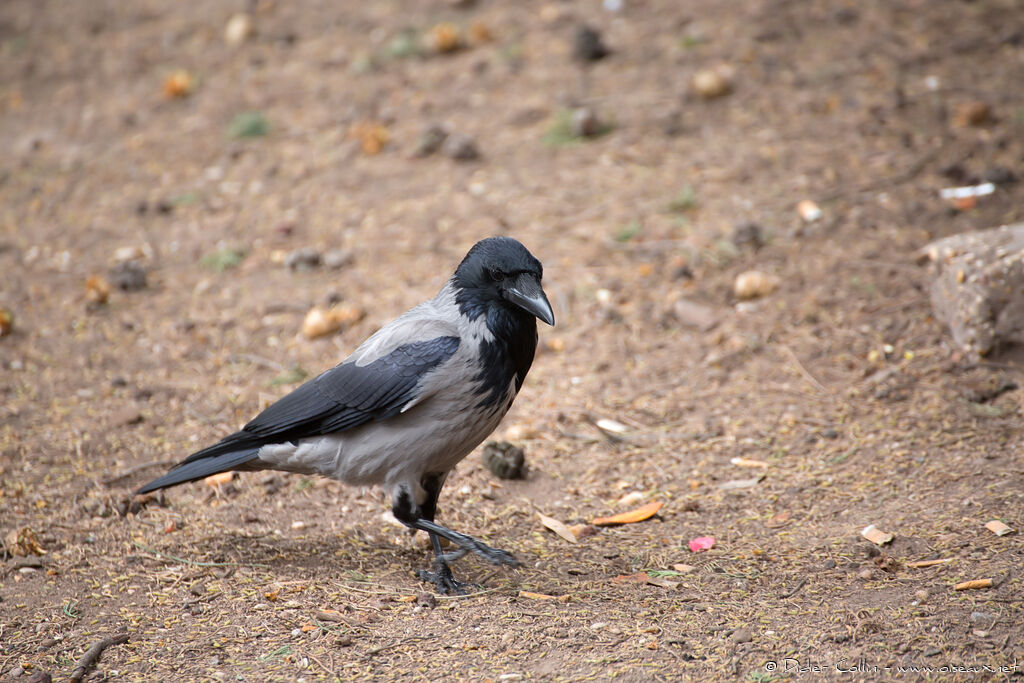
(796,589)
(92,655)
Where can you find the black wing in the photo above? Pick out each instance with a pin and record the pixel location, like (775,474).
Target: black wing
(344,397)
(349,395)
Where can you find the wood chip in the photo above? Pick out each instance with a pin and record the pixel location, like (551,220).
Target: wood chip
(998,528)
(921,564)
(972,585)
(638,515)
(683,568)
(537,596)
(876,535)
(558,527)
(746,462)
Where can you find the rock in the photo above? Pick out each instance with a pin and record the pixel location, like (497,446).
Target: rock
(238,29)
(336,259)
(741,635)
(587,45)
(302,259)
(978,290)
(128,276)
(693,314)
(584,123)
(431,140)
(754,284)
(747,235)
(709,84)
(999,175)
(504,460)
(460,147)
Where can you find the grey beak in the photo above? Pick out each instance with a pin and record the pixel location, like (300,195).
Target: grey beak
(526,293)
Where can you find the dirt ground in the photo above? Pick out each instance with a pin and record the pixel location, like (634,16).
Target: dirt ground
(846,394)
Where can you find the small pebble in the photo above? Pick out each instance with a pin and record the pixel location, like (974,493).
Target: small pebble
(337,258)
(302,259)
(504,460)
(754,284)
(431,140)
(865,574)
(713,83)
(587,45)
(828,564)
(238,29)
(460,147)
(741,635)
(982,616)
(128,276)
(584,123)
(747,235)
(921,595)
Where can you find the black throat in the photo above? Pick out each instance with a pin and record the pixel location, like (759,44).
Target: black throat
(509,355)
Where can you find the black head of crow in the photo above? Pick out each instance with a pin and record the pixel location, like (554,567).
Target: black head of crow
(411,402)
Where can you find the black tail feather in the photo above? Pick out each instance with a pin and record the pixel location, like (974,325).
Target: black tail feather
(200,468)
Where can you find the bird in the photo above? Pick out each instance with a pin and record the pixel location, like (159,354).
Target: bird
(409,403)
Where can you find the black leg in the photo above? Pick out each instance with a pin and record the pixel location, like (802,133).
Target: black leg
(422,518)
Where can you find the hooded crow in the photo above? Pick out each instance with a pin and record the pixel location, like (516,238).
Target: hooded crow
(411,402)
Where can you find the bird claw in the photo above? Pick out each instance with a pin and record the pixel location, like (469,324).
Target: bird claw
(443,580)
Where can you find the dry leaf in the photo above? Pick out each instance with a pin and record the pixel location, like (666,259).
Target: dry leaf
(737,484)
(407,598)
(307,627)
(639,577)
(220,479)
(178,84)
(998,528)
(683,568)
(662,582)
(330,615)
(702,543)
(778,520)
(558,527)
(23,542)
(97,289)
(876,535)
(371,136)
(445,38)
(638,515)
(272,595)
(972,585)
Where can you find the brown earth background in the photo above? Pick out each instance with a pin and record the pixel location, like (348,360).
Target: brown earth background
(840,383)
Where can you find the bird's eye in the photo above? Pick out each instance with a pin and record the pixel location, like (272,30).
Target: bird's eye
(493,275)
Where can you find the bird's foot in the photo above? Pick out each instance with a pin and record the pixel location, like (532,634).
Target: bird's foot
(443,580)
